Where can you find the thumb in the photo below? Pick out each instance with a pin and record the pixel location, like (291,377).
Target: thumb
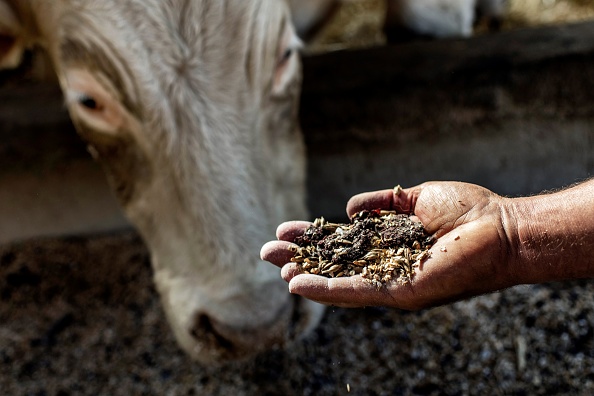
(398,199)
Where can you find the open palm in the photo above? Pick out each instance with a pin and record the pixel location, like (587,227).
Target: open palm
(472,255)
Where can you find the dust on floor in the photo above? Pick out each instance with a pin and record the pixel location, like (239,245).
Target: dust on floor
(80,316)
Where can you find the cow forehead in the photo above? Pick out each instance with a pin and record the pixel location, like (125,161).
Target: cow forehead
(176,28)
(206,41)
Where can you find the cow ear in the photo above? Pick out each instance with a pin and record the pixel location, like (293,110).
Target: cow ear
(310,16)
(11,37)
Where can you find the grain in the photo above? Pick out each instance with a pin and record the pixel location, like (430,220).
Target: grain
(380,246)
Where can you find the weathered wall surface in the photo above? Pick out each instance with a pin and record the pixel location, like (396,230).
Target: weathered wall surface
(48,183)
(512,111)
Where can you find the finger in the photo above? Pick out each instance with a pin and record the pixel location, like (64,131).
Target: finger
(346,292)
(401,200)
(291,270)
(370,200)
(290,230)
(277,252)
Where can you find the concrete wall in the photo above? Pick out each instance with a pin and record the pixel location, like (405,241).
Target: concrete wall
(48,183)
(512,111)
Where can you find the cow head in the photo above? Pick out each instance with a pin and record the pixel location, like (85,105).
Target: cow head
(191,108)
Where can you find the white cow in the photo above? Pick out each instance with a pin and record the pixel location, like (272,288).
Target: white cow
(439,18)
(191,108)
(310,15)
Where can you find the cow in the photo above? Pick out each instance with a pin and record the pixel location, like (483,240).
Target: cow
(410,19)
(309,16)
(190,106)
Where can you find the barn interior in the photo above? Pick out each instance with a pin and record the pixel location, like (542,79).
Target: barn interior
(511,110)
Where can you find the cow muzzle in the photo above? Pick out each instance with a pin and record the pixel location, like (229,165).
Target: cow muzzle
(220,341)
(242,325)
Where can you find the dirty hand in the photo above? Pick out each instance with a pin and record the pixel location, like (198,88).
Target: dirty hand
(473,253)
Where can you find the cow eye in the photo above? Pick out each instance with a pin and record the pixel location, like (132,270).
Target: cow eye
(286,55)
(88,102)
(287,67)
(92,101)
(82,101)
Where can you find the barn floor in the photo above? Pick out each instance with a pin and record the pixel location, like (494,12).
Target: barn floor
(80,316)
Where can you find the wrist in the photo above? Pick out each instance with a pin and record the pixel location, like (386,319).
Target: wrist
(553,235)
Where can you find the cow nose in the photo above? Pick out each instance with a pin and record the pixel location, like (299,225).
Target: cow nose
(205,332)
(213,337)
(223,342)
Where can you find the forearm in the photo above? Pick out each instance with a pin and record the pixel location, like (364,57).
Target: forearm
(554,235)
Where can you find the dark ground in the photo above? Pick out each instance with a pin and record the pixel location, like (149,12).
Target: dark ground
(81,316)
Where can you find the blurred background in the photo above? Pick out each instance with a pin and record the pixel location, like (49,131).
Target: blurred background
(359,23)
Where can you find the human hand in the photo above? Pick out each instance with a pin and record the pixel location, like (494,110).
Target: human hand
(473,253)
